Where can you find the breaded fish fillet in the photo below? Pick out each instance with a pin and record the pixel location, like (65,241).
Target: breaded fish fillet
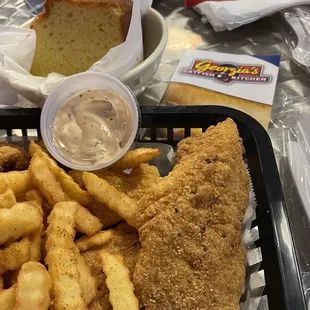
(190,227)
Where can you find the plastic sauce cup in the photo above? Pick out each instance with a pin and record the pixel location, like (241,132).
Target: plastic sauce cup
(79,83)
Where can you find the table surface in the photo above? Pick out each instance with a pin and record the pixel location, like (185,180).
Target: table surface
(186,31)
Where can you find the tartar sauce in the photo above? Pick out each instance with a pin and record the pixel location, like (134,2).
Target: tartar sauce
(92,127)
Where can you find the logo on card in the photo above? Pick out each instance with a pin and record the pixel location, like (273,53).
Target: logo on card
(227,73)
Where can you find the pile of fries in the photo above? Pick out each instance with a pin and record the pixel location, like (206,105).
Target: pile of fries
(51,221)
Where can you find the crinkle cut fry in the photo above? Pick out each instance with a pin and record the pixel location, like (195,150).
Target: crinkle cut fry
(124,206)
(22,219)
(62,256)
(33,287)
(7,298)
(15,255)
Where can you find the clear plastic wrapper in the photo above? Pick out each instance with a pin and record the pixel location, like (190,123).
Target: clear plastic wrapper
(294,28)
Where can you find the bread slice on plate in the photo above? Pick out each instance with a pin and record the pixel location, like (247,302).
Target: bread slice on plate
(73,34)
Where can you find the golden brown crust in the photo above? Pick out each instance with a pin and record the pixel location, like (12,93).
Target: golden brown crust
(13,157)
(125,6)
(190,227)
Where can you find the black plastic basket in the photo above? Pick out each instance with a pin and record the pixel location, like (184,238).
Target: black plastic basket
(283,284)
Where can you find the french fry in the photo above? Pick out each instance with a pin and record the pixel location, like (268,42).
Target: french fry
(33,148)
(15,255)
(36,238)
(18,181)
(24,218)
(35,197)
(7,298)
(136,157)
(68,185)
(62,256)
(62,267)
(87,281)
(43,178)
(124,206)
(7,199)
(118,281)
(61,222)
(73,190)
(85,222)
(102,237)
(33,287)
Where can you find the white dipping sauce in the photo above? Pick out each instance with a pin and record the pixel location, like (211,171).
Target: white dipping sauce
(92,127)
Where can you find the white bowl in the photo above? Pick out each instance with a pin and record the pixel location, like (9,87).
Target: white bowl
(155,36)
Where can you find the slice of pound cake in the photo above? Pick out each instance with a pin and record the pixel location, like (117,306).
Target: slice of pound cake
(73,34)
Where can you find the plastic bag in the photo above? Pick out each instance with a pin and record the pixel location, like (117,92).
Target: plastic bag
(15,66)
(294,29)
(228,15)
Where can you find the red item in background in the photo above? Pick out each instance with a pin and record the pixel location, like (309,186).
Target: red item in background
(192,3)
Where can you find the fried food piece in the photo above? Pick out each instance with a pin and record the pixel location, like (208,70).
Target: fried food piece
(7,199)
(67,292)
(134,184)
(15,255)
(43,178)
(22,219)
(85,222)
(136,157)
(62,256)
(190,227)
(7,298)
(13,157)
(125,242)
(36,238)
(106,216)
(66,182)
(102,237)
(107,194)
(35,197)
(33,287)
(61,222)
(18,181)
(118,281)
(87,281)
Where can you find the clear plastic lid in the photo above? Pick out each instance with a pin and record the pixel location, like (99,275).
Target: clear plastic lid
(89,121)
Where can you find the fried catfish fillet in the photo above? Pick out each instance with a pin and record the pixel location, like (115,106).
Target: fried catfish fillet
(190,227)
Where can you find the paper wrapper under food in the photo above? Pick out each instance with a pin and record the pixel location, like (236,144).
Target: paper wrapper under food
(17,47)
(246,83)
